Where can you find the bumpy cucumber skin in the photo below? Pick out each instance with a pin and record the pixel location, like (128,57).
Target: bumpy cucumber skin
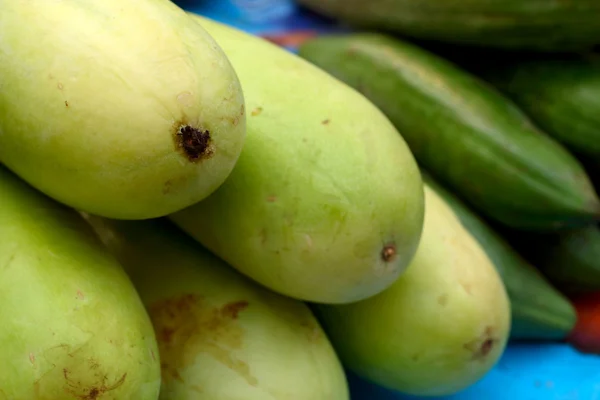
(512,24)
(216,329)
(562,96)
(539,311)
(72,324)
(325,187)
(570,259)
(466,133)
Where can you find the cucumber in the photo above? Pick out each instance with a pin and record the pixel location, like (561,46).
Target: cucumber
(543,25)
(561,95)
(539,311)
(570,259)
(465,132)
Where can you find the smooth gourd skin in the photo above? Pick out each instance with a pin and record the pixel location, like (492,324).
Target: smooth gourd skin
(539,311)
(464,132)
(326,202)
(440,327)
(561,95)
(538,25)
(221,336)
(72,325)
(93,96)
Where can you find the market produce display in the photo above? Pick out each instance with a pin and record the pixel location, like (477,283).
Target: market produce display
(191,211)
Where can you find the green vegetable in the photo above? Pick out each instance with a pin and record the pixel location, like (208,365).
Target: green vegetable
(469,136)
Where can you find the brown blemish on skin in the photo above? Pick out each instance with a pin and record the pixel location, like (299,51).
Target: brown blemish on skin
(94,392)
(31,358)
(272,199)
(442,299)
(236,120)
(187,326)
(388,253)
(80,295)
(313,332)
(66,104)
(325,122)
(256,111)
(483,346)
(167,186)
(467,288)
(233,309)
(194,143)
(263,236)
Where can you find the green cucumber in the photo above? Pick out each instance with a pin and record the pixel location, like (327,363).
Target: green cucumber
(570,259)
(561,95)
(539,311)
(516,24)
(465,132)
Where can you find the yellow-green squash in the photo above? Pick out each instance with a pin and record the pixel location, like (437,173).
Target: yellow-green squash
(221,336)
(441,326)
(326,202)
(72,326)
(126,109)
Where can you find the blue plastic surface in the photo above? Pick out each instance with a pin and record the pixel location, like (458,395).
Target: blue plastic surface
(527,371)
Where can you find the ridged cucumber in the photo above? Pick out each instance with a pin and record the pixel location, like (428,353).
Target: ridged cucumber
(561,95)
(539,311)
(570,259)
(465,132)
(532,24)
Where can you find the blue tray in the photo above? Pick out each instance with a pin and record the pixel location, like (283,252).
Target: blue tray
(548,371)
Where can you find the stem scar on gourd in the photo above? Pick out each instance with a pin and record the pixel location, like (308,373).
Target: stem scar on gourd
(194,143)
(388,253)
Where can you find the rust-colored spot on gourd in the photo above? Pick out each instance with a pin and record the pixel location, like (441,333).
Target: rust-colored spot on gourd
(325,122)
(91,392)
(388,253)
(194,143)
(256,111)
(187,326)
(233,309)
(483,346)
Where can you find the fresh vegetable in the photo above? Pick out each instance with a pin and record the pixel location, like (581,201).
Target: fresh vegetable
(570,259)
(533,25)
(326,201)
(72,325)
(220,335)
(561,95)
(539,311)
(126,109)
(469,136)
(440,327)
